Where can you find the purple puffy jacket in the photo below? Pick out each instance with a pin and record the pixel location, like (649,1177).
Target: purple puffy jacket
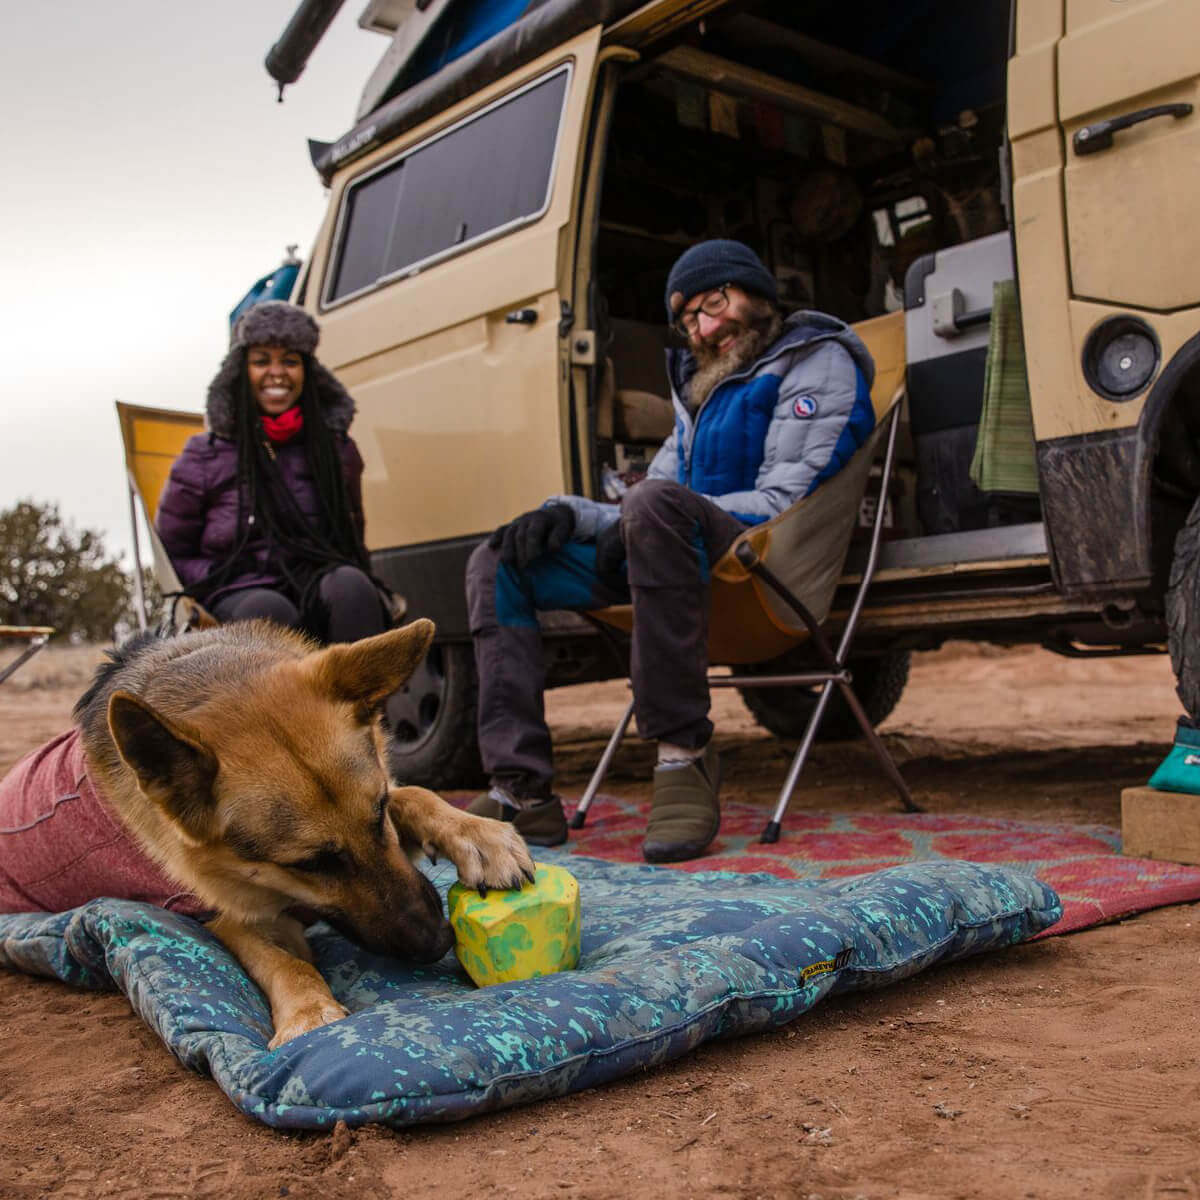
(197,513)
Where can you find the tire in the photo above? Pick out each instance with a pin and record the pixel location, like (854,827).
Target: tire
(432,719)
(1183,613)
(878,684)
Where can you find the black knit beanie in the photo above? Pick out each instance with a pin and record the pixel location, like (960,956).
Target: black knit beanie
(711,264)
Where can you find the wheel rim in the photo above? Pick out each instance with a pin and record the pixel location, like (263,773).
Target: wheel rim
(414,710)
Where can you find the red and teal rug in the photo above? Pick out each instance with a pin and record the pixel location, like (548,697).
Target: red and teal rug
(1083,863)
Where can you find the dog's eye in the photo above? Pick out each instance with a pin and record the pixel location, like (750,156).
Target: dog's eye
(324,862)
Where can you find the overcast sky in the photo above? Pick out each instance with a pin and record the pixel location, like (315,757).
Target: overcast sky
(150,179)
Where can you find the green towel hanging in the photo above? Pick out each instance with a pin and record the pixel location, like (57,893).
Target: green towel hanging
(1004,458)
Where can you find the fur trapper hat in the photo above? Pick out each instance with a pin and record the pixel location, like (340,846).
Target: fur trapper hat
(275,323)
(712,264)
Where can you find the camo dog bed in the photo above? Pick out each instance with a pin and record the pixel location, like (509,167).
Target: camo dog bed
(669,959)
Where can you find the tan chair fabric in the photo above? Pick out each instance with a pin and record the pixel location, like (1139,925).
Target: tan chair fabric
(805,546)
(884,337)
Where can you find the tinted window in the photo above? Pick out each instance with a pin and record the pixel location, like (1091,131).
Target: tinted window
(486,174)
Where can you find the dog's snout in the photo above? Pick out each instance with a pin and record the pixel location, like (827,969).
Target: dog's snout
(410,922)
(441,943)
(440,934)
(424,943)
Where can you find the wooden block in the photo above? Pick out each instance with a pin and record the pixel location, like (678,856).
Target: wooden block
(1164,825)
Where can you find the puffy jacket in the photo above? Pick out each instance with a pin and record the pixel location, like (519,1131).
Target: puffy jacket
(198,510)
(768,434)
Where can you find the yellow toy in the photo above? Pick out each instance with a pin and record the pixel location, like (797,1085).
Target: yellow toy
(517,934)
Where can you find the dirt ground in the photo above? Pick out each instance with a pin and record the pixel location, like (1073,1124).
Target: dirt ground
(1063,1069)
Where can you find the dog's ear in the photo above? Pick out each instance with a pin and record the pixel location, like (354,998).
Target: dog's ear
(172,768)
(366,672)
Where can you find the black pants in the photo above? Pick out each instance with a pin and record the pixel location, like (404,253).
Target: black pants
(672,537)
(352,604)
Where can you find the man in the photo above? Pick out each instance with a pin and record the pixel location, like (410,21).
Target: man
(766,409)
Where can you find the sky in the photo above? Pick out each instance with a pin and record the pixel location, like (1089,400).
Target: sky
(150,178)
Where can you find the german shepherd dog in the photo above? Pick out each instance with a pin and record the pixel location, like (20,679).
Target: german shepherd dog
(249,764)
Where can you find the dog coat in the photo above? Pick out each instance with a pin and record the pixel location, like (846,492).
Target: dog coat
(61,845)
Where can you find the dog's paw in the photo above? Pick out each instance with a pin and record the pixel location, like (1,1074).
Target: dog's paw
(305,1020)
(488,855)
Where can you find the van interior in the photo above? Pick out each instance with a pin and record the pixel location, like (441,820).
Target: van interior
(850,143)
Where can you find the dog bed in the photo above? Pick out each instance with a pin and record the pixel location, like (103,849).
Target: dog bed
(670,959)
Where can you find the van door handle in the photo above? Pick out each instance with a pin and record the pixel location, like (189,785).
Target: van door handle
(521,316)
(1092,138)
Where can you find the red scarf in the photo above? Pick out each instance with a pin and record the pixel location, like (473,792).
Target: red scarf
(284,427)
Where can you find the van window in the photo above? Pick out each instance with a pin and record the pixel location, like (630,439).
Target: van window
(430,202)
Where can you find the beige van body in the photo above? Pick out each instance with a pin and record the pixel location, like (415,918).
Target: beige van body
(488,280)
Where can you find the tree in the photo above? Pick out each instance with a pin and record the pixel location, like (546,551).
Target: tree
(53,574)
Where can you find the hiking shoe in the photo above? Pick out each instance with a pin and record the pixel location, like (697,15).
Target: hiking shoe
(542,823)
(684,814)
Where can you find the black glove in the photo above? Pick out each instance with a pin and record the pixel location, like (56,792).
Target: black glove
(610,555)
(542,531)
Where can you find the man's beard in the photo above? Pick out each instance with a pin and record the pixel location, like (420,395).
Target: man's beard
(759,331)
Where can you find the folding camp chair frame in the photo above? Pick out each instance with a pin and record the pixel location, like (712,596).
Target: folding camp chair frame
(832,673)
(36,636)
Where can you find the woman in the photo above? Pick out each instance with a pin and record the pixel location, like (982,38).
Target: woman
(262,515)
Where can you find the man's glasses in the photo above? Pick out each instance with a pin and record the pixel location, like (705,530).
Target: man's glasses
(712,305)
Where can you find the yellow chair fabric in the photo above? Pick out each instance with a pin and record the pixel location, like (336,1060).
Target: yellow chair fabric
(152,439)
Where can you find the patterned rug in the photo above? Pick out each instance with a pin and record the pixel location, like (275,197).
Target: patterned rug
(1083,863)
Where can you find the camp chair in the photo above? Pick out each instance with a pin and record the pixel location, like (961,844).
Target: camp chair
(772,589)
(35,637)
(153,439)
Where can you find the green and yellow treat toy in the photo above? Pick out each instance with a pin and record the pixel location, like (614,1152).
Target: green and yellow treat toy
(517,934)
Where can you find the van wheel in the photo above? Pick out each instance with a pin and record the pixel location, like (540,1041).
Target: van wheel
(1183,613)
(432,719)
(878,684)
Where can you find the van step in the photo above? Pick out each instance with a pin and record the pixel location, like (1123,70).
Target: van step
(945,553)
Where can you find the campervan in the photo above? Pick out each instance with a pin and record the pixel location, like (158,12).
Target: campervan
(1000,196)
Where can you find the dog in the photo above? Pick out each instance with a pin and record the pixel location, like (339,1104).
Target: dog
(249,764)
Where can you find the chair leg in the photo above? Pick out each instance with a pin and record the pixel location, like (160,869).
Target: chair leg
(585,801)
(35,644)
(876,742)
(770,833)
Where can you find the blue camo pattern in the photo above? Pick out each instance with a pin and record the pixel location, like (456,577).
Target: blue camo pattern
(669,960)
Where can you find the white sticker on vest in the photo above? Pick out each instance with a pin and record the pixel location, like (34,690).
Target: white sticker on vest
(805,406)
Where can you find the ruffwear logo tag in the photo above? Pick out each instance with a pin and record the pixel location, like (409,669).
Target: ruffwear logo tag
(805,406)
(826,965)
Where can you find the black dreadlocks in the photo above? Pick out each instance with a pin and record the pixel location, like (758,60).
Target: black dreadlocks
(301,551)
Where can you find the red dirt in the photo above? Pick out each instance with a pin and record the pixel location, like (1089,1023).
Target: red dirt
(1057,1070)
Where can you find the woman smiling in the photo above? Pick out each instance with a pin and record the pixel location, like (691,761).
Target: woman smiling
(262,514)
